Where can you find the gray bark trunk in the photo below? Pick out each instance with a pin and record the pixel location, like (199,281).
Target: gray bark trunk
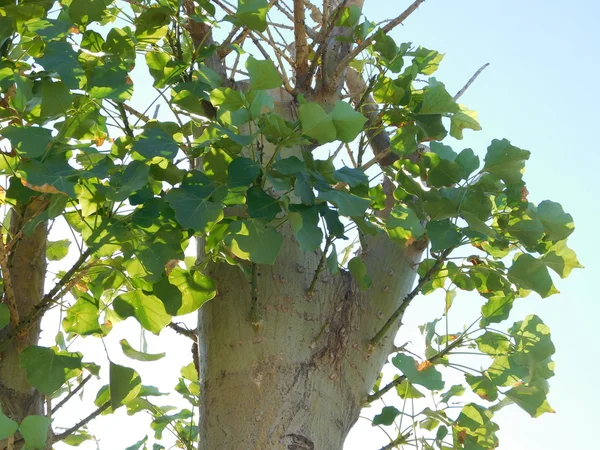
(299,381)
(27,267)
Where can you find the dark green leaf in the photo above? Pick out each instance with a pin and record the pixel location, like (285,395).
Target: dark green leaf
(83,12)
(348,204)
(152,25)
(52,176)
(30,142)
(47,369)
(253,14)
(253,241)
(261,205)
(437,100)
(354,177)
(60,57)
(530,273)
(387,416)
(468,162)
(305,225)
(505,161)
(424,374)
(193,210)
(531,398)
(125,384)
(156,142)
(557,224)
(443,235)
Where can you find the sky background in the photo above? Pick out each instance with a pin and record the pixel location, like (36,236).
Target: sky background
(539,92)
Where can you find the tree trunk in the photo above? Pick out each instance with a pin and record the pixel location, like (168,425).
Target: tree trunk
(299,381)
(27,268)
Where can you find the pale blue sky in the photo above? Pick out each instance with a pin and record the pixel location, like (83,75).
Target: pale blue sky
(540,92)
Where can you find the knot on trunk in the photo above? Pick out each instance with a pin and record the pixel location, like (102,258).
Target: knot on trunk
(298,442)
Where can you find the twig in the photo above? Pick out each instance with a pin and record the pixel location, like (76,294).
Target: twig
(406,301)
(381,392)
(9,292)
(62,436)
(402,439)
(301,45)
(126,126)
(470,82)
(71,394)
(255,318)
(369,40)
(311,289)
(183,331)
(351,156)
(376,159)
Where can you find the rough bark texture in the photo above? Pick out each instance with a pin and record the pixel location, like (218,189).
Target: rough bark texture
(300,380)
(27,267)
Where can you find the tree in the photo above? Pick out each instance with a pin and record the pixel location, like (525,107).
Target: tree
(304,266)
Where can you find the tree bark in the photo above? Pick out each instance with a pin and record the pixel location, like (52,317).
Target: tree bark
(299,381)
(27,269)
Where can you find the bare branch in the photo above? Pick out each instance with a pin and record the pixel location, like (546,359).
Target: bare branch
(301,66)
(71,394)
(470,82)
(369,40)
(183,331)
(65,434)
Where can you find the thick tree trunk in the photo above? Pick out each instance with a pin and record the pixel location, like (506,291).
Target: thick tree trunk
(27,268)
(299,381)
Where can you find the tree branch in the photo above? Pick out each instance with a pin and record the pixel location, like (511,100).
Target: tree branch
(301,66)
(470,82)
(65,434)
(406,301)
(183,331)
(381,392)
(369,40)
(71,394)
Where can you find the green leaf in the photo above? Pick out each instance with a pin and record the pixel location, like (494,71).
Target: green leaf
(483,386)
(497,308)
(305,225)
(163,68)
(290,166)
(404,226)
(468,162)
(130,352)
(445,173)
(530,273)
(437,100)
(261,205)
(54,175)
(82,317)
(561,259)
(47,369)
(332,261)
(455,391)
(147,309)
(473,417)
(124,385)
(354,177)
(77,438)
(192,209)
(83,12)
(557,224)
(4,316)
(493,343)
(120,42)
(194,289)
(531,398)
(424,374)
(461,119)
(505,161)
(407,390)
(358,269)
(443,235)
(34,430)
(504,371)
(30,142)
(57,250)
(152,25)
(532,337)
(155,142)
(316,123)
(59,57)
(8,427)
(348,204)
(348,122)
(527,231)
(56,99)
(263,74)
(253,14)
(387,416)
(138,444)
(253,241)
